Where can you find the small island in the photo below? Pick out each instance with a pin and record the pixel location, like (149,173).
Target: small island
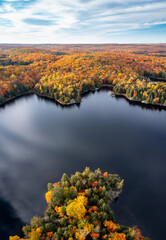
(64,73)
(79,208)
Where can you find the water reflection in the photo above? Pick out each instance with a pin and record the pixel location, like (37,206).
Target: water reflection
(40,140)
(9,222)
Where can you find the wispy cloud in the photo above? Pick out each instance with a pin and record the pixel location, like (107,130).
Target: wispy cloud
(42,21)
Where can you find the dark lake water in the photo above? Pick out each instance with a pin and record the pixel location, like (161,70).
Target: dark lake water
(40,140)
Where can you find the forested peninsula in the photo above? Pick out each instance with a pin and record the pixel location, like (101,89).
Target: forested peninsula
(79,208)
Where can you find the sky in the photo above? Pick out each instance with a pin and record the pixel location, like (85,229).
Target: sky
(82,21)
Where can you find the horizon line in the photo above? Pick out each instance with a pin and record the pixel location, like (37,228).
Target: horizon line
(82,43)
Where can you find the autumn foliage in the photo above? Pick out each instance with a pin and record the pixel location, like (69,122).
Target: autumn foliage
(64,72)
(79,210)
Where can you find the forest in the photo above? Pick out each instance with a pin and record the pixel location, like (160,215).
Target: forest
(64,72)
(79,208)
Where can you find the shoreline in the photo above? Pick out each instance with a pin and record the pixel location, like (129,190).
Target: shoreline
(73,102)
(143,103)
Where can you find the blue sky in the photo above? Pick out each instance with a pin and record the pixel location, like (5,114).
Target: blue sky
(82,21)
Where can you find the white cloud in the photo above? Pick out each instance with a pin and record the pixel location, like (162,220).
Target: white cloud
(75,21)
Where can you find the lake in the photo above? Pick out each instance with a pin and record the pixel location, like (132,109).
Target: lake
(40,140)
